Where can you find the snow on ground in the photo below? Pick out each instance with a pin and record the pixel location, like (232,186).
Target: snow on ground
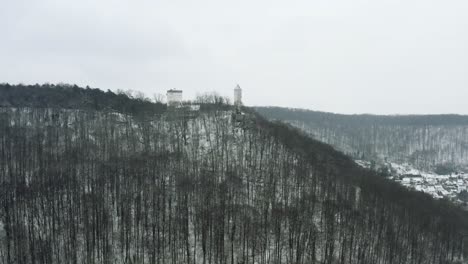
(438,186)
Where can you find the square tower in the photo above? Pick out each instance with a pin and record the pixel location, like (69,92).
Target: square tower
(174,97)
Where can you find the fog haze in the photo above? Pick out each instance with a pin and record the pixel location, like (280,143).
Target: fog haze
(382,57)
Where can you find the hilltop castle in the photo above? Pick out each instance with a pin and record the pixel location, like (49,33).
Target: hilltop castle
(174,96)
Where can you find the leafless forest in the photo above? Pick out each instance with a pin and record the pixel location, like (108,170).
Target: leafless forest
(177,186)
(427,142)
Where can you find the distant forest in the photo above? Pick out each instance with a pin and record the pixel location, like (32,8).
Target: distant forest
(69,96)
(430,142)
(91,180)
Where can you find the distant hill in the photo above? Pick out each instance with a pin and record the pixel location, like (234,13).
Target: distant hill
(138,182)
(430,142)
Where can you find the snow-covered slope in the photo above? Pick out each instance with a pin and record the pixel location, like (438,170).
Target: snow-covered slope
(217,186)
(425,142)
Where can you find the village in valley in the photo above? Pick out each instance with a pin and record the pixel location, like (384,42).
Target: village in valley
(452,186)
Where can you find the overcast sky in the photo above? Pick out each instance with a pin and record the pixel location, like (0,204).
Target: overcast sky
(346,56)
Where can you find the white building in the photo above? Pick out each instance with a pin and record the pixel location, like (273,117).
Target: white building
(174,97)
(237,95)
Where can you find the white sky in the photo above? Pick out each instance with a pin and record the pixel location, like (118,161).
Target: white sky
(347,56)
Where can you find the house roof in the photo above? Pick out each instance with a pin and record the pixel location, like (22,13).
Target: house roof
(174,91)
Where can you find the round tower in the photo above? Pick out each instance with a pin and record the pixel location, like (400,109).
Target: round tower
(238,95)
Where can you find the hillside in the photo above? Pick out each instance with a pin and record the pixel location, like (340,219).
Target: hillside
(429,142)
(138,182)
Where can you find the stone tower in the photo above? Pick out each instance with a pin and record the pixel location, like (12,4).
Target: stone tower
(238,96)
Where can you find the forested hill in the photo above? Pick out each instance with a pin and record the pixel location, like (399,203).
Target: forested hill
(425,141)
(94,184)
(73,97)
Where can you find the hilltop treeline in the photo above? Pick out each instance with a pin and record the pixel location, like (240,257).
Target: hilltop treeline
(69,96)
(87,186)
(427,141)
